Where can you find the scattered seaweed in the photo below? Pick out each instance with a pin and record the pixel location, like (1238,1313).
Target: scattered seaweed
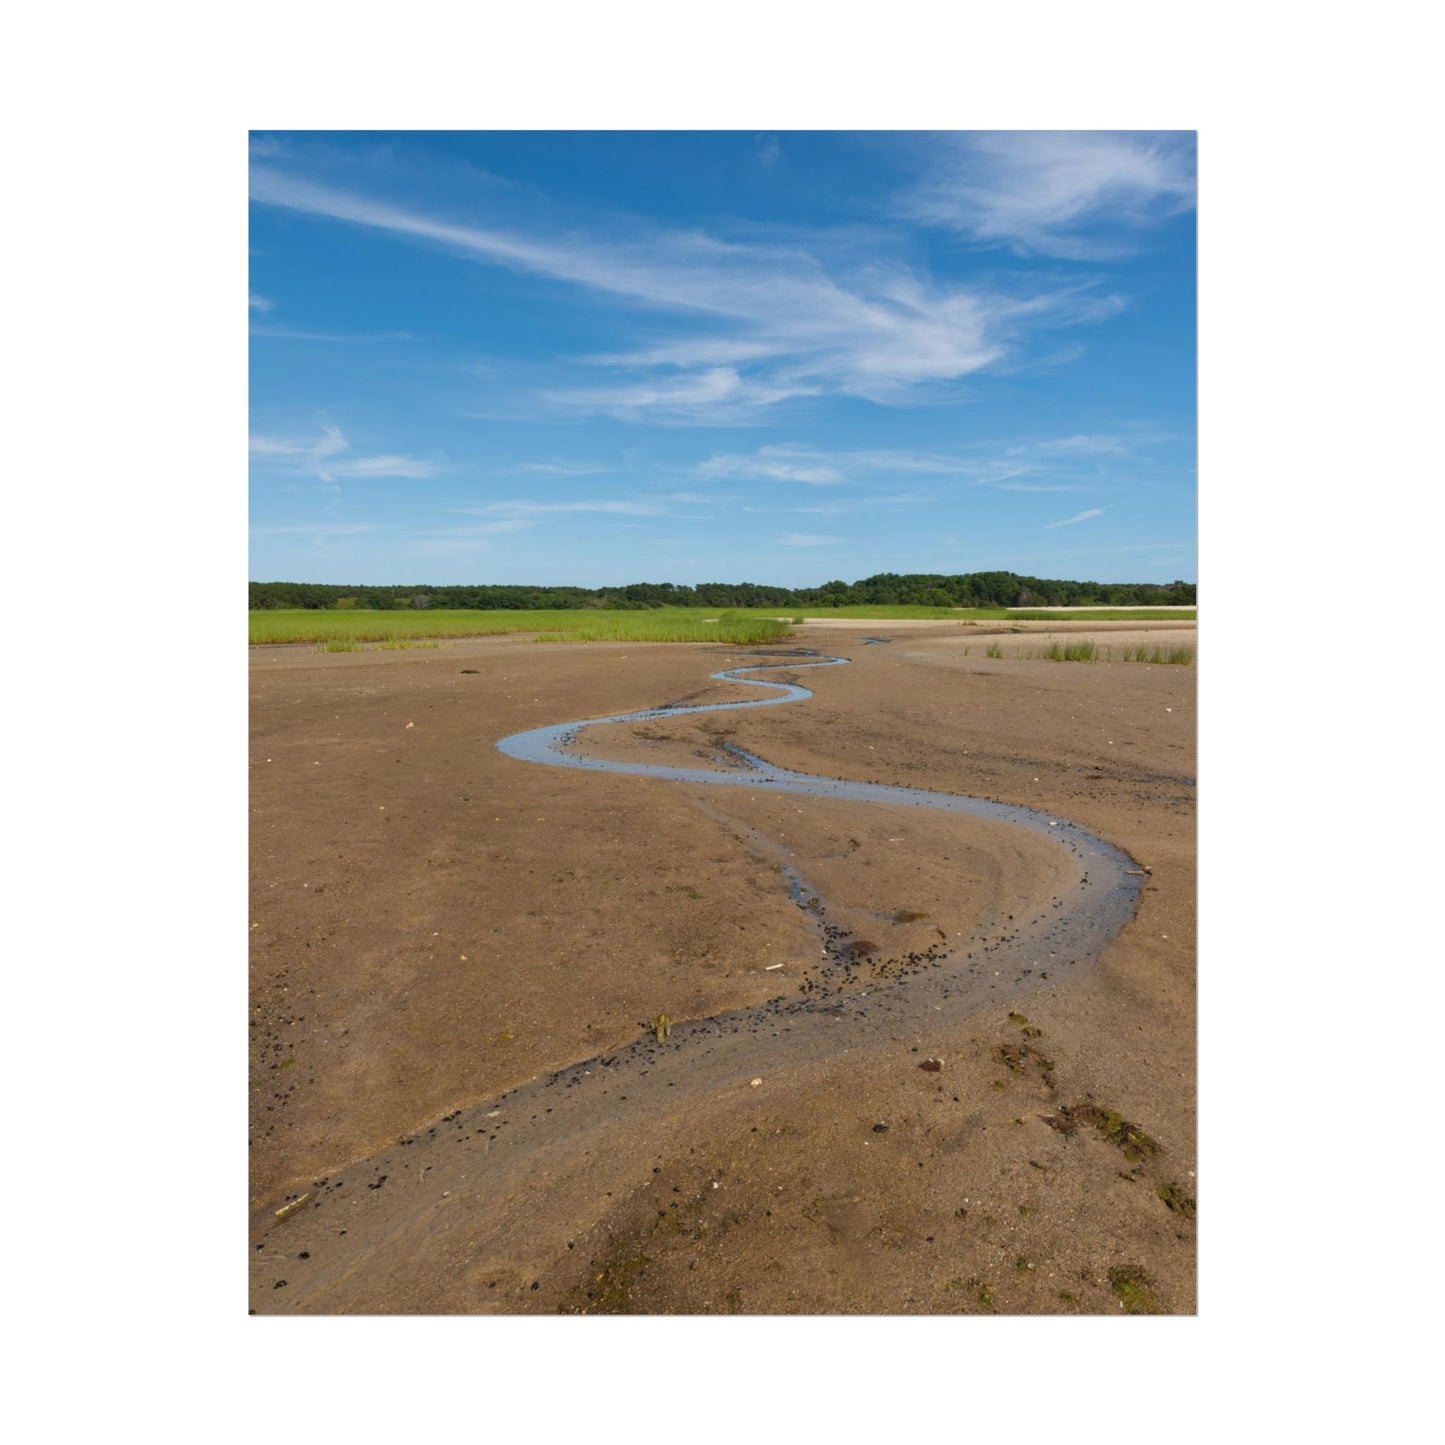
(1175,1200)
(1135,1143)
(1135,1289)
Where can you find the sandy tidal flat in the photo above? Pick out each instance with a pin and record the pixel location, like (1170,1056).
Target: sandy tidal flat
(436,926)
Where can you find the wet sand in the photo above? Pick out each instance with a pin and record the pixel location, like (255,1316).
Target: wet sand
(435,925)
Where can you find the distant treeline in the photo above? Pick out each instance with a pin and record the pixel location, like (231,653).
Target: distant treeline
(969,589)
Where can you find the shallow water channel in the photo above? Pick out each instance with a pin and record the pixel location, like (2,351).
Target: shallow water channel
(1109,878)
(941,983)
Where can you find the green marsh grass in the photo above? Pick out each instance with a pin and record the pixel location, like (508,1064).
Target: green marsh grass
(1162,656)
(993,650)
(316,625)
(882,611)
(1092,652)
(672,624)
(1072,652)
(658,627)
(1107,614)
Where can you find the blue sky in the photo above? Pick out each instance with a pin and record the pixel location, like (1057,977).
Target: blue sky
(600,358)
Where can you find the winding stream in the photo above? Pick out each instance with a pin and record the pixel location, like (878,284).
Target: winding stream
(1109,879)
(1109,876)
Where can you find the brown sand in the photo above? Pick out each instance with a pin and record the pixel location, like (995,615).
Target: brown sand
(435,924)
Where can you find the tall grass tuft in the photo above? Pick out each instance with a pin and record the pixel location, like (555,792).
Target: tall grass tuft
(1072,652)
(1160,656)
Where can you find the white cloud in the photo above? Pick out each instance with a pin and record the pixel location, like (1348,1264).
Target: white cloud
(761,322)
(316,529)
(296,333)
(475,529)
(1077,517)
(561,469)
(792,463)
(1089,446)
(385,466)
(852,505)
(321,458)
(777,463)
(870,478)
(292,333)
(1077,194)
(538,509)
(684,352)
(330,442)
(1040,486)
(716,396)
(260,303)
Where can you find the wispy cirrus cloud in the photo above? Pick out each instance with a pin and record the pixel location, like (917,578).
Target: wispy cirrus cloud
(324,458)
(1074,463)
(342,338)
(318,530)
(561,469)
(1039,486)
(387,465)
(817,467)
(852,505)
(1081,446)
(775,463)
(327,444)
(520,512)
(296,333)
(719,395)
(1080,195)
(1077,517)
(749,324)
(540,509)
(260,303)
